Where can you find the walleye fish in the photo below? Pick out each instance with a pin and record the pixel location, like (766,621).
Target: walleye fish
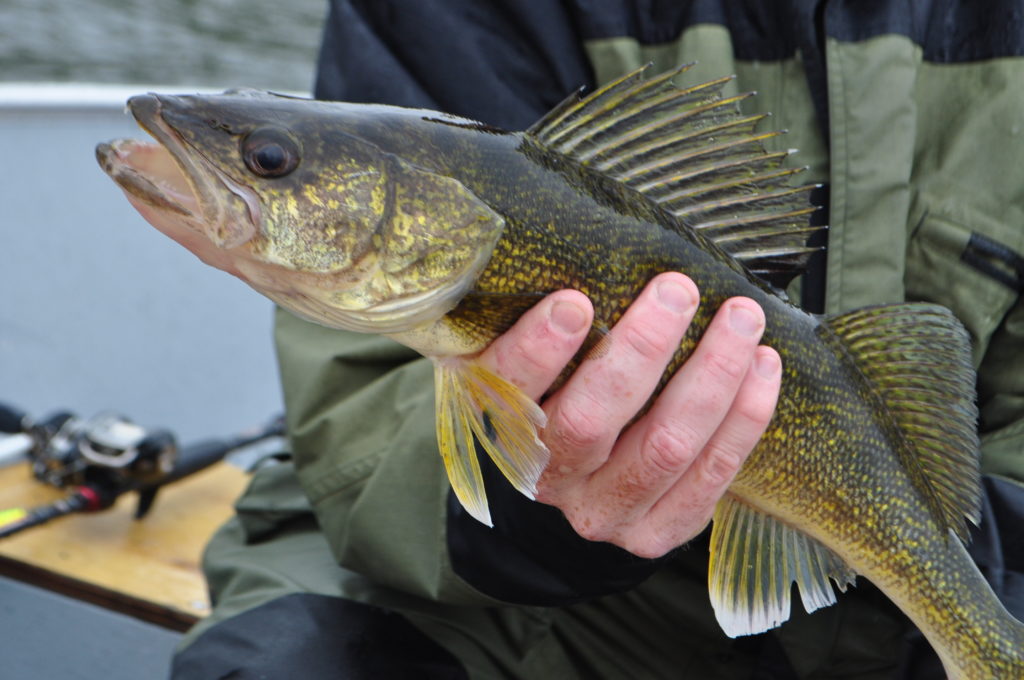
(440,232)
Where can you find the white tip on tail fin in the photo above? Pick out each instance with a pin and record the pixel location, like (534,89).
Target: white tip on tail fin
(755,559)
(471,400)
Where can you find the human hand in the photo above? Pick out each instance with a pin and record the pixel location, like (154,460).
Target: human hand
(652,486)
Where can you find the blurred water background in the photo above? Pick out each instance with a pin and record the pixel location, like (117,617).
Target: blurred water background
(98,310)
(269,44)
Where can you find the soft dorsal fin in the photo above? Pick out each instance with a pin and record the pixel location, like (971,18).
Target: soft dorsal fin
(756,559)
(696,157)
(918,357)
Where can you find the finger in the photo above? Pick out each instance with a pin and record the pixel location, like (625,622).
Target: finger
(586,415)
(536,349)
(743,426)
(687,507)
(661,447)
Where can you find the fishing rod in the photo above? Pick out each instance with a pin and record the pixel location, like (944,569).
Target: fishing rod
(102,458)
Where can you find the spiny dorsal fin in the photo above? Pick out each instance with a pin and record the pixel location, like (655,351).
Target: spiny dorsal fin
(694,155)
(755,560)
(918,356)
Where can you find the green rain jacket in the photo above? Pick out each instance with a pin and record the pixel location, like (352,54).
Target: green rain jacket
(913,118)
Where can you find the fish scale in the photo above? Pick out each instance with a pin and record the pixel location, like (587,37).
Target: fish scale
(870,464)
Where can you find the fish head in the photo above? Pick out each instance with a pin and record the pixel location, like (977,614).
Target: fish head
(291,196)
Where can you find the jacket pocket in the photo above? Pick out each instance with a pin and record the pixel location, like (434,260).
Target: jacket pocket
(974,269)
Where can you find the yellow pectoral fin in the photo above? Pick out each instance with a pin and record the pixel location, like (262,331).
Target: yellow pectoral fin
(471,400)
(455,440)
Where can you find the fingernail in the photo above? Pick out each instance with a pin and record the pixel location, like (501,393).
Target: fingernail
(567,317)
(744,321)
(673,295)
(767,364)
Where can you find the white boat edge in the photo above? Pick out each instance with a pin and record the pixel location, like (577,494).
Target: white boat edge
(33,95)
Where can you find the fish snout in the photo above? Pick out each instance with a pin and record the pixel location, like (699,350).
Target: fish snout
(144,107)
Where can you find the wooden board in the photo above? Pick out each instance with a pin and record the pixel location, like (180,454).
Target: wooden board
(153,561)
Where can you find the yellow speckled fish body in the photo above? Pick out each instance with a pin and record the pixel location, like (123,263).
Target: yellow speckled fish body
(441,232)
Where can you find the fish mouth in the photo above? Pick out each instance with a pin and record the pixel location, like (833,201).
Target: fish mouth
(175,186)
(148,172)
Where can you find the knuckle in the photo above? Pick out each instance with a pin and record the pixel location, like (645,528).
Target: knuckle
(525,359)
(670,450)
(649,341)
(725,365)
(720,466)
(756,412)
(578,423)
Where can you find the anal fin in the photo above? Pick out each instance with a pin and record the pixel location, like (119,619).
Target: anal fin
(471,400)
(755,559)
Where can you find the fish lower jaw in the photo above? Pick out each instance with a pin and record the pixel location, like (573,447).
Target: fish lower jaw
(146,171)
(157,187)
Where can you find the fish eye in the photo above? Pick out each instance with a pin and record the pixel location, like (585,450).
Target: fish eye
(270,152)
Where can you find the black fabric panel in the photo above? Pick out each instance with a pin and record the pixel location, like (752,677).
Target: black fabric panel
(533,556)
(865,19)
(948,31)
(998,544)
(502,62)
(316,637)
(649,21)
(760,30)
(812,292)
